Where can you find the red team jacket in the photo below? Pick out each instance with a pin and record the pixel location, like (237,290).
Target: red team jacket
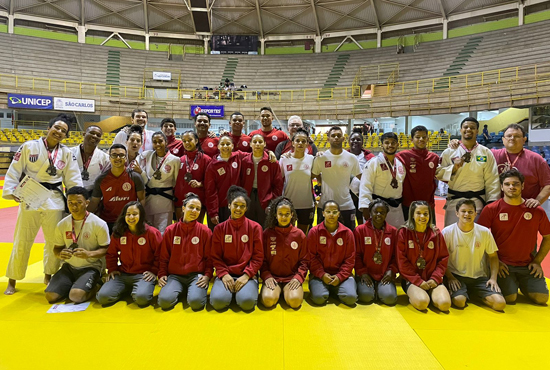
(419,183)
(241,143)
(285,254)
(237,247)
(272,138)
(198,170)
(137,253)
(435,254)
(366,243)
(270,181)
(334,255)
(185,250)
(175,146)
(220,175)
(209,146)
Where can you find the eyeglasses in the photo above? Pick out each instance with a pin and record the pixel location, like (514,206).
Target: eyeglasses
(115,155)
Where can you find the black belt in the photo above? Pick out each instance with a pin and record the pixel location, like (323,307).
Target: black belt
(392,202)
(161,192)
(467,195)
(56,187)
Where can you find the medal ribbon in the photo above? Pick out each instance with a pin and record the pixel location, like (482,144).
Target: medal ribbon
(76,237)
(376,241)
(391,167)
(50,155)
(162,161)
(421,246)
(515,160)
(466,149)
(187,166)
(87,164)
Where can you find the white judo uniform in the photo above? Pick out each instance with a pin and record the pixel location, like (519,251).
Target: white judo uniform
(32,159)
(477,180)
(376,182)
(99,161)
(159,208)
(122,137)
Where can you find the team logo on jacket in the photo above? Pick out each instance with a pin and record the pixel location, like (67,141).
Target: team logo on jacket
(275,138)
(17,156)
(68,235)
(177,239)
(527,216)
(340,241)
(368,240)
(195,240)
(411,244)
(244,238)
(478,244)
(431,245)
(245,143)
(401,170)
(61,165)
(141,241)
(196,166)
(383,167)
(123,240)
(176,151)
(323,240)
(264,168)
(503,216)
(289,167)
(431,164)
(210,145)
(229,238)
(345,164)
(248,171)
(234,165)
(126,186)
(294,245)
(328,164)
(167,168)
(33,158)
(387,241)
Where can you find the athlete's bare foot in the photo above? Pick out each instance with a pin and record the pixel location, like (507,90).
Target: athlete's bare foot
(47,279)
(11,287)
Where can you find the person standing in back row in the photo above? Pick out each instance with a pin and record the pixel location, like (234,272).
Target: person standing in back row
(208,144)
(91,161)
(294,123)
(271,135)
(139,117)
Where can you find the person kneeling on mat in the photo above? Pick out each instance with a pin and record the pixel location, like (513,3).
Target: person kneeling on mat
(137,246)
(81,240)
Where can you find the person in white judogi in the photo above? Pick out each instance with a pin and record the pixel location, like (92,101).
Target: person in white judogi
(159,170)
(139,117)
(91,161)
(53,165)
(383,179)
(470,170)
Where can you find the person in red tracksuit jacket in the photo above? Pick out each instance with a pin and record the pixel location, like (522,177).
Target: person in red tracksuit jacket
(237,255)
(261,179)
(192,173)
(185,258)
(285,256)
(375,265)
(136,246)
(332,256)
(422,259)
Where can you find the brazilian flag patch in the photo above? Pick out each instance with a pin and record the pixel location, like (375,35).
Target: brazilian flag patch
(481,158)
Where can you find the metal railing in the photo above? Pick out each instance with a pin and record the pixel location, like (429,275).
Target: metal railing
(377,74)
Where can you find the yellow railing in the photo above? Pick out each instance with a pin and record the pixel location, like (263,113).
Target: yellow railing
(466,81)
(376,74)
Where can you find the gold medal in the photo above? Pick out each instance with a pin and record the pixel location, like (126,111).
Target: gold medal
(377,258)
(421,263)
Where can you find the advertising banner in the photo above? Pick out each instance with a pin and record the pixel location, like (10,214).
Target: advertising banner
(212,110)
(74,105)
(30,101)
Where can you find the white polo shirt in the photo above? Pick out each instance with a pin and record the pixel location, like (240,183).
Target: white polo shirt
(298,187)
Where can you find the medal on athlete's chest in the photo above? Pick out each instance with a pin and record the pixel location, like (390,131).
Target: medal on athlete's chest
(188,177)
(73,246)
(394,183)
(52,171)
(157,175)
(421,263)
(377,258)
(85,175)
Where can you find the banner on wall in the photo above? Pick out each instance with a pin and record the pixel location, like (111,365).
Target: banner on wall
(212,110)
(162,76)
(74,105)
(30,101)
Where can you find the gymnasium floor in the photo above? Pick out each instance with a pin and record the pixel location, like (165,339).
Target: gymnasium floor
(330,337)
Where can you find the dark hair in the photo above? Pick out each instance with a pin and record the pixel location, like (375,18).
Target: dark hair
(417,129)
(68,119)
(333,128)
(190,196)
(234,192)
(266,108)
(271,218)
(379,203)
(120,227)
(167,120)
(194,134)
(302,131)
(470,119)
(161,134)
(226,134)
(135,129)
(468,202)
(389,135)
(331,201)
(515,126)
(410,224)
(118,146)
(139,110)
(236,114)
(356,131)
(79,190)
(258,134)
(89,127)
(511,173)
(202,114)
